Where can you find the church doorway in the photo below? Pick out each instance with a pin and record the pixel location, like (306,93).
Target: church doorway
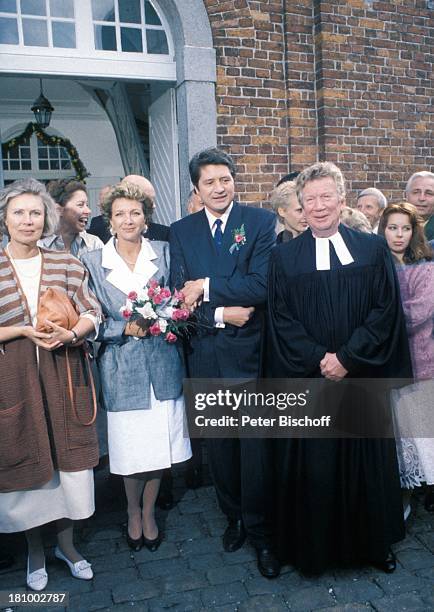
(132,84)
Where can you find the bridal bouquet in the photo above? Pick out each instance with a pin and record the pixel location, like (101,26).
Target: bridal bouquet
(160,308)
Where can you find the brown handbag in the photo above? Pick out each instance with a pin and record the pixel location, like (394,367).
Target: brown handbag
(55,306)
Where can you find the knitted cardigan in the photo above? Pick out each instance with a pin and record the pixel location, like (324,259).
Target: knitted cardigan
(39,431)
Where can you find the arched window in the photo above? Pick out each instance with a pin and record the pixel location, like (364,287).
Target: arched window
(31,157)
(129,27)
(105,37)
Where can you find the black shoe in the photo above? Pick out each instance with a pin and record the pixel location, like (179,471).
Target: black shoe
(165,500)
(389,564)
(193,478)
(268,564)
(234,536)
(153,545)
(136,544)
(429,498)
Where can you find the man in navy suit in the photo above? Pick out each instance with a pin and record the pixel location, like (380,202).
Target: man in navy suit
(219,258)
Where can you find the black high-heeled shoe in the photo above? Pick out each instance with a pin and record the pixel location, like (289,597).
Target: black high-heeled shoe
(153,545)
(136,544)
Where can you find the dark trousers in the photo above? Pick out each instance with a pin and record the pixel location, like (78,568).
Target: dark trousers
(242,473)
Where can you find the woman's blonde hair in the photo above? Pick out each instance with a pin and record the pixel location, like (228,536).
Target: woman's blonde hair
(280,197)
(34,187)
(129,191)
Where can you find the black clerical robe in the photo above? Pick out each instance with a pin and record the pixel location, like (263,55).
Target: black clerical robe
(338,499)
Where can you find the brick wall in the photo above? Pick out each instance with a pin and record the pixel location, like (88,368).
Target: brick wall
(374,90)
(350,81)
(251,96)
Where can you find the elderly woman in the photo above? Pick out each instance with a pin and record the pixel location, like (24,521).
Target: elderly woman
(403,229)
(47,450)
(289,212)
(141,375)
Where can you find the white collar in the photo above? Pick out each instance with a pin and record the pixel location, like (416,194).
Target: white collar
(121,276)
(83,236)
(322,251)
(224,218)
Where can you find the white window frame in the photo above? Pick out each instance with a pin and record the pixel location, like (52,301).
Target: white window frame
(40,175)
(87,60)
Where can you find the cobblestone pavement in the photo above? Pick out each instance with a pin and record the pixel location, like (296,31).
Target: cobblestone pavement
(190,571)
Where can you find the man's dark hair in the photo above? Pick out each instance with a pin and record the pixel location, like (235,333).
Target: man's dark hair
(288,177)
(62,190)
(209,156)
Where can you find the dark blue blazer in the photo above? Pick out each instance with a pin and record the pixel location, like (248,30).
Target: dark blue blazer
(236,279)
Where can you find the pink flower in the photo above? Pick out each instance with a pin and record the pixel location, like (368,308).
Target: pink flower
(132,296)
(157,298)
(178,295)
(151,292)
(153,283)
(127,314)
(165,293)
(155,330)
(170,337)
(183,314)
(239,238)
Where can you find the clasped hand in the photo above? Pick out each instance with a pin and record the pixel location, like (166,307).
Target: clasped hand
(193,291)
(332,368)
(237,315)
(233,315)
(54,338)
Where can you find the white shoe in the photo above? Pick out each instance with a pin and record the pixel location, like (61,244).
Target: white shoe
(407,511)
(37,580)
(81,569)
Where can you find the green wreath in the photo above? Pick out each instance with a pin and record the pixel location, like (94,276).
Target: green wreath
(79,167)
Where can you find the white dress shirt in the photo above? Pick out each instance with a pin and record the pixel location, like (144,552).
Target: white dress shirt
(218,314)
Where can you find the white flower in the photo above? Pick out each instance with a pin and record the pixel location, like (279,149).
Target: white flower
(163,325)
(142,295)
(146,311)
(166,312)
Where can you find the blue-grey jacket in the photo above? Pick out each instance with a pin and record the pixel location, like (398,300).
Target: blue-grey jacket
(128,365)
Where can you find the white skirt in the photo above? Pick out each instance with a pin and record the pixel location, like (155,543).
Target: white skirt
(67,495)
(413,417)
(147,440)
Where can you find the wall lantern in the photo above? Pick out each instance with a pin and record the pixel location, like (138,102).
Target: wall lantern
(42,109)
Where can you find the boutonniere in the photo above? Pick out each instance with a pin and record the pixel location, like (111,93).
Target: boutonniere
(239,239)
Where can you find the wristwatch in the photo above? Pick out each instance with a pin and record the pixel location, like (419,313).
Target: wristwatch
(75,338)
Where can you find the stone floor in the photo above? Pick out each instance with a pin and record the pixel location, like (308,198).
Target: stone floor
(190,571)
